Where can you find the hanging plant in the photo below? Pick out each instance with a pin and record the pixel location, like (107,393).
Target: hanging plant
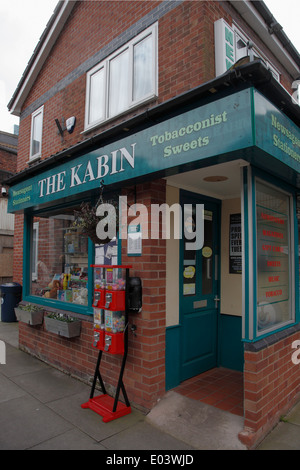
(87,220)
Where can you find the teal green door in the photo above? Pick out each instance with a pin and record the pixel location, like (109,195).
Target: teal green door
(199,292)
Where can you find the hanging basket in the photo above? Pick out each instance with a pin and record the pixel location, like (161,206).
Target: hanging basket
(87,220)
(95,239)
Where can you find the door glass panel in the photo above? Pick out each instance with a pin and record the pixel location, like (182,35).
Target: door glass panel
(189,256)
(207,252)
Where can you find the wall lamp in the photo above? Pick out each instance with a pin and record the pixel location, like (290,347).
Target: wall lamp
(65,126)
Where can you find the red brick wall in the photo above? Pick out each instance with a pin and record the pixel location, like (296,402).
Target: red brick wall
(271,387)
(186,59)
(8,161)
(74,356)
(18,249)
(186,36)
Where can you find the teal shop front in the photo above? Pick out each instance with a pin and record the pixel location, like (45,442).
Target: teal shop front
(238,155)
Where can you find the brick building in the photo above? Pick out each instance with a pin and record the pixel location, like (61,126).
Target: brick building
(178,102)
(8,167)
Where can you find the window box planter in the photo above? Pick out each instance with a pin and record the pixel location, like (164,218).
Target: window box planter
(30,314)
(62,325)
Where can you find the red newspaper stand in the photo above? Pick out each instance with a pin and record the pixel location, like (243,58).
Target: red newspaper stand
(110,305)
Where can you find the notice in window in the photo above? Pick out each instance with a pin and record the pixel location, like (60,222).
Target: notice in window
(273,257)
(235,244)
(134,240)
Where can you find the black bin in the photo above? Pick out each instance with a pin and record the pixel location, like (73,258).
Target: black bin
(10,296)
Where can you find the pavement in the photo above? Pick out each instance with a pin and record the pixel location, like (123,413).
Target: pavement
(40,409)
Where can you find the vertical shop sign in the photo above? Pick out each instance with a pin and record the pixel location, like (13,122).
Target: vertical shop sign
(273,257)
(235,244)
(224,46)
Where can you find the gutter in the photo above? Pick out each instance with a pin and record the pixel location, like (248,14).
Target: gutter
(276,29)
(252,74)
(259,18)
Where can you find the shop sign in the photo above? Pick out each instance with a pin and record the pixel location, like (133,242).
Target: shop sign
(218,128)
(212,129)
(276,133)
(224,47)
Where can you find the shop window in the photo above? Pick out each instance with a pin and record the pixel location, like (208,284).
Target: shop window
(275,267)
(36,134)
(123,80)
(59,258)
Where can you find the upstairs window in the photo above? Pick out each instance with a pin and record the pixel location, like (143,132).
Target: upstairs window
(123,80)
(36,133)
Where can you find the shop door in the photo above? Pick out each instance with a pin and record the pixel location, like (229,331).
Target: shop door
(199,293)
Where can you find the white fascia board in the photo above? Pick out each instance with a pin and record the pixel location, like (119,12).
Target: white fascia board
(41,57)
(257,23)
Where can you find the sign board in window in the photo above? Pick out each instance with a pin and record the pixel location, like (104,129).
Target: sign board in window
(134,240)
(273,257)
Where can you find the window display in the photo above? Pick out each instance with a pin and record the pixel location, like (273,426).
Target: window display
(59,258)
(273,257)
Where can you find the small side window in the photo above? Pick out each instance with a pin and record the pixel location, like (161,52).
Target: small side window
(36,133)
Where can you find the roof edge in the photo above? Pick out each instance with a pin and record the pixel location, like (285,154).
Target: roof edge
(260,19)
(53,28)
(253,74)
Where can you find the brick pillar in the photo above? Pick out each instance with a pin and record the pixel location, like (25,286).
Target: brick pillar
(18,249)
(271,384)
(145,375)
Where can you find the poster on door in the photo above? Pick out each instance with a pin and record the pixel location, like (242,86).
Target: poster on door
(235,244)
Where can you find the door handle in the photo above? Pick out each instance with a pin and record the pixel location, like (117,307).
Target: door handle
(216,299)
(208,265)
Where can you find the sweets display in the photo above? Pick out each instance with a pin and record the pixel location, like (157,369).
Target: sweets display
(109,309)
(109,279)
(114,321)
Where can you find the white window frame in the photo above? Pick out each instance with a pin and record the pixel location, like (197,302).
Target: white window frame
(35,249)
(33,116)
(291,260)
(105,64)
(239,34)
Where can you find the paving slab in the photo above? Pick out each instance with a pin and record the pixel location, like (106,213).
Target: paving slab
(19,363)
(9,333)
(285,436)
(26,422)
(200,425)
(143,436)
(294,415)
(9,390)
(70,440)
(90,422)
(48,384)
